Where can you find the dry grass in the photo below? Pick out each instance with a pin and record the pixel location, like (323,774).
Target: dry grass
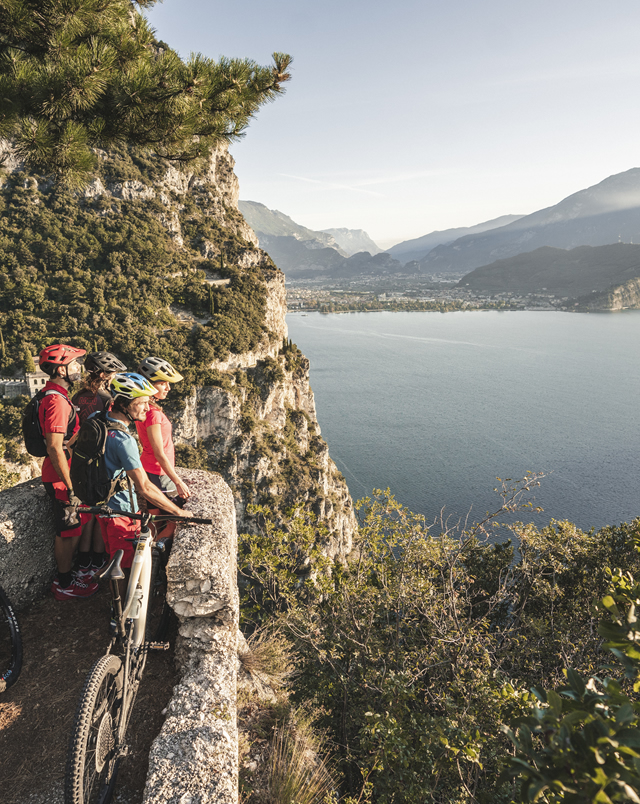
(270,658)
(9,713)
(297,771)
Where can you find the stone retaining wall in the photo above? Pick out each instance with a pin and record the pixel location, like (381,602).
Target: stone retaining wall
(194,759)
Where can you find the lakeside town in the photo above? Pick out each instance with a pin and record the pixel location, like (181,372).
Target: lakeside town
(410,294)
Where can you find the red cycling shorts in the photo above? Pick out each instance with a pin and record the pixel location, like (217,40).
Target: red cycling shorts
(118,534)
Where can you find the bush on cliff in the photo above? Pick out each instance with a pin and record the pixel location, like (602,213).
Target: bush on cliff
(421,648)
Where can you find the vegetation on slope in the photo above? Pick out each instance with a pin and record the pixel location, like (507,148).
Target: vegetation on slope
(572,273)
(103,273)
(420,653)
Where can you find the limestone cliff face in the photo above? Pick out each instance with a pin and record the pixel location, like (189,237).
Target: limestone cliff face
(262,434)
(255,422)
(623,297)
(259,427)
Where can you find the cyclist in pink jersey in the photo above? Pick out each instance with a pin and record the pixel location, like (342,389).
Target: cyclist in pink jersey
(155,433)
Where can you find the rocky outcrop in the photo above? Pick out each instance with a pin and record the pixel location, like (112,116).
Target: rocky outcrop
(261,432)
(26,542)
(256,419)
(195,756)
(215,188)
(622,297)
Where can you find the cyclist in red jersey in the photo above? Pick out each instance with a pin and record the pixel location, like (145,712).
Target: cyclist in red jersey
(94,397)
(155,433)
(59,424)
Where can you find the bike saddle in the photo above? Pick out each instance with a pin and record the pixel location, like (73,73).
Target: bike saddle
(113,570)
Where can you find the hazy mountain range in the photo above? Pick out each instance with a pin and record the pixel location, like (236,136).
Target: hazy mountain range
(608,212)
(520,253)
(273,223)
(305,253)
(354,241)
(419,247)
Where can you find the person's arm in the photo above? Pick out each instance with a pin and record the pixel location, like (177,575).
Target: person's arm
(55,451)
(154,434)
(146,488)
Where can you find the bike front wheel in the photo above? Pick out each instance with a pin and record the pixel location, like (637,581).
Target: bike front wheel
(158,611)
(10,644)
(92,762)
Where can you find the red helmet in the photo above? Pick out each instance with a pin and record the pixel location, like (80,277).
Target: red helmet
(58,355)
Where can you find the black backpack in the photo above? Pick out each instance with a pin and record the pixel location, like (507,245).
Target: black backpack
(34,440)
(89,476)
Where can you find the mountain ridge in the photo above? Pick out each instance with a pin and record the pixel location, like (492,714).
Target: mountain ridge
(419,247)
(572,273)
(603,214)
(354,241)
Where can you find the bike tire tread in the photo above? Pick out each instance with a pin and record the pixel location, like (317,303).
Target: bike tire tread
(74,776)
(9,675)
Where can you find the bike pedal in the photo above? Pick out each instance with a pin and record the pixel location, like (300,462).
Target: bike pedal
(158,645)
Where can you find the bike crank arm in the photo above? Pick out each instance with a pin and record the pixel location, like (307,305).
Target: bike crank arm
(157,645)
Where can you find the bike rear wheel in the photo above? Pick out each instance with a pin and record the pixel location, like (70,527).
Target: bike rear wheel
(10,644)
(93,758)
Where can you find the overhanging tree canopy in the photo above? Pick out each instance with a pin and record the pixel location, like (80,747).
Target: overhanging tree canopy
(77,74)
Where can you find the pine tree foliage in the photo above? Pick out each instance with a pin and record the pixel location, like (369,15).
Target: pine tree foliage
(78,74)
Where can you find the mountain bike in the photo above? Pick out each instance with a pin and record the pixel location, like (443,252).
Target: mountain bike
(10,644)
(98,741)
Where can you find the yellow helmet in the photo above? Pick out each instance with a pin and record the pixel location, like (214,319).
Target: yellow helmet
(130,386)
(155,369)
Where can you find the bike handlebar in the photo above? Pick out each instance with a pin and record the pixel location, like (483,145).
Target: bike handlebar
(103,510)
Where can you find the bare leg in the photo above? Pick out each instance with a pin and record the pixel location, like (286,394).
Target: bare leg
(84,545)
(97,540)
(63,552)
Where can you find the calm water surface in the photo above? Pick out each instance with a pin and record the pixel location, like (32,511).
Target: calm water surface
(437,406)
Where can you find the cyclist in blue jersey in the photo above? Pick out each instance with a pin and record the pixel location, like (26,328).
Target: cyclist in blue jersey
(130,393)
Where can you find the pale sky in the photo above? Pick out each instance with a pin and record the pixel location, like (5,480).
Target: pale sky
(406,117)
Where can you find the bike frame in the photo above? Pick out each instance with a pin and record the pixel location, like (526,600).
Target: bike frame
(130,628)
(138,589)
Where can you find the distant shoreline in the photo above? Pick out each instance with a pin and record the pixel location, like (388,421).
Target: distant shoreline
(506,309)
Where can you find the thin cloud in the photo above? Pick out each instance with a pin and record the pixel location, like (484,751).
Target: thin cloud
(360,186)
(331,185)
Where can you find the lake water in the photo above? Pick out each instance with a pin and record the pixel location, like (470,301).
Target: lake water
(436,406)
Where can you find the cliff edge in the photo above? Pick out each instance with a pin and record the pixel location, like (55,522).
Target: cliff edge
(151,259)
